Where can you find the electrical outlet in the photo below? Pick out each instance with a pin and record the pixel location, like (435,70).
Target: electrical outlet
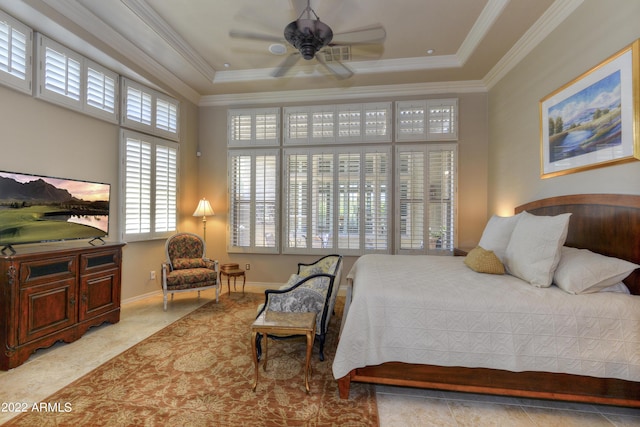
(152,275)
(247,267)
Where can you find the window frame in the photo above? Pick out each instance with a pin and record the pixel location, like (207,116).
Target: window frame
(153,209)
(251,115)
(428,199)
(129,120)
(64,98)
(7,77)
(252,201)
(333,240)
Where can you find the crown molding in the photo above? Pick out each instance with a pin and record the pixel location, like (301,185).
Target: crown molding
(483,24)
(359,67)
(549,21)
(154,21)
(362,92)
(89,22)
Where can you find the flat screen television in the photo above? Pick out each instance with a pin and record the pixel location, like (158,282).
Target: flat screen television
(36,208)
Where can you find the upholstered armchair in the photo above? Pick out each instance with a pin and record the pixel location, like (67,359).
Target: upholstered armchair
(313,288)
(186,268)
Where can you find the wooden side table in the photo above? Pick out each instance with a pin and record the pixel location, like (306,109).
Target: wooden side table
(284,324)
(232,270)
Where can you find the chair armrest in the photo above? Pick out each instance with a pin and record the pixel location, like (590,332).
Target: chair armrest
(276,299)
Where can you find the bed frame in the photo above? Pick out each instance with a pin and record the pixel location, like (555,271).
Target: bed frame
(605,223)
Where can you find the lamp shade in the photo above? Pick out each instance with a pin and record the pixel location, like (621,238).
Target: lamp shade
(203,209)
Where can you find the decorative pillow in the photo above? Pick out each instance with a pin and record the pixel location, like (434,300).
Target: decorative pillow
(581,271)
(483,261)
(534,251)
(497,233)
(182,263)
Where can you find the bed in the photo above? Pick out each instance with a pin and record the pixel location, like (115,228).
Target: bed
(392,331)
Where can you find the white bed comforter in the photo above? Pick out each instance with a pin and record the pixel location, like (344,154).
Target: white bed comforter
(435,310)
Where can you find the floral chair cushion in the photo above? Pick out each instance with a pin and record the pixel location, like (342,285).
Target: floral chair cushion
(185,246)
(182,263)
(191,278)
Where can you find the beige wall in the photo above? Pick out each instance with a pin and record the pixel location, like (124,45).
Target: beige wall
(42,138)
(275,269)
(595,31)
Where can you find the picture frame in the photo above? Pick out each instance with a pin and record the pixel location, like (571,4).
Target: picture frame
(594,120)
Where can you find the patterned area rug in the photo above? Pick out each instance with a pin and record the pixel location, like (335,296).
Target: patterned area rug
(198,371)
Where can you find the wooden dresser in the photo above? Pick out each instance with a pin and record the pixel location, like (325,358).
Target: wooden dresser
(55,292)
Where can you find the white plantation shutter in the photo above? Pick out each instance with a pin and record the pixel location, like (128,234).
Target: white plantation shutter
(101,96)
(253,127)
(166,188)
(167,115)
(426,198)
(266,201)
(253,201)
(139,106)
(149,111)
(297,176)
(410,171)
(137,186)
(321,229)
(68,79)
(349,200)
(62,71)
(427,120)
(150,186)
(442,116)
(336,200)
(15,53)
(376,201)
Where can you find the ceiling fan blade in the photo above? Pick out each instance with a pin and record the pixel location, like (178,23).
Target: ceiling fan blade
(367,35)
(286,65)
(337,68)
(254,36)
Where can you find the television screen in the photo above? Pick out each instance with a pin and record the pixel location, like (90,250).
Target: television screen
(41,209)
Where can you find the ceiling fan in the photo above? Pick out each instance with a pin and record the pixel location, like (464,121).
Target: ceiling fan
(309,35)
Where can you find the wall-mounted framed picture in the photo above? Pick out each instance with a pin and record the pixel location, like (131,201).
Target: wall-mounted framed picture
(594,120)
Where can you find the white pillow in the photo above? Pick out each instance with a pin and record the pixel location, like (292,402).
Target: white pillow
(533,252)
(497,233)
(618,288)
(581,271)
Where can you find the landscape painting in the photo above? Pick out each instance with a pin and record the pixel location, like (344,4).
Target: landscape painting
(589,122)
(40,209)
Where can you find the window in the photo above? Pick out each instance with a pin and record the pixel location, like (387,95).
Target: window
(253,127)
(369,122)
(149,111)
(67,78)
(340,183)
(427,120)
(15,53)
(149,180)
(426,198)
(253,201)
(336,200)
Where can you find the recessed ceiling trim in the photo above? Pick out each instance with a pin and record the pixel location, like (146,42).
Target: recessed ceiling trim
(359,67)
(91,23)
(337,94)
(483,24)
(549,21)
(154,21)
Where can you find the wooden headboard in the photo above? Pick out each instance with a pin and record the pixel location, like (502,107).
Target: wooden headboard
(605,223)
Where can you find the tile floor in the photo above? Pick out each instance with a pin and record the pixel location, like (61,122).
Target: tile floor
(48,370)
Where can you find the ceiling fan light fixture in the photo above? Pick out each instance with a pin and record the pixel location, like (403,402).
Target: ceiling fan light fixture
(308,36)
